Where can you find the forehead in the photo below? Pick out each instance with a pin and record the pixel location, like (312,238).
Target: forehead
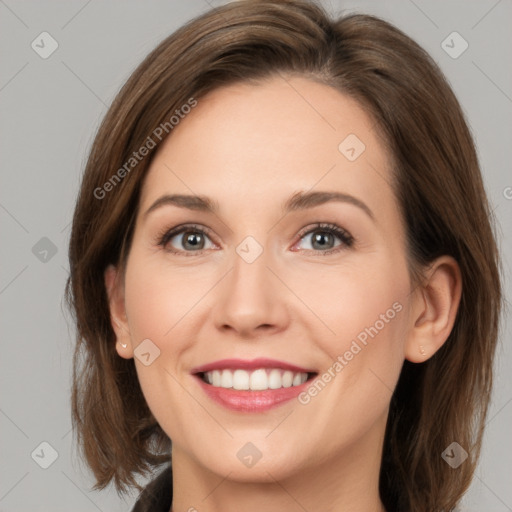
(282,135)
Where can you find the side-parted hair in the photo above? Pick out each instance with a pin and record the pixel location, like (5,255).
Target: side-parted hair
(437,182)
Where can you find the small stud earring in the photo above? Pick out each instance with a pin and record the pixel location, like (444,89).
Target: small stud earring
(422,350)
(124,345)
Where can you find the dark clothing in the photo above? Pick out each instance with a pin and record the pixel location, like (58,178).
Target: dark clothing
(157,495)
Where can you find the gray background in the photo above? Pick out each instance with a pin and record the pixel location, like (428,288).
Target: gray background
(50,110)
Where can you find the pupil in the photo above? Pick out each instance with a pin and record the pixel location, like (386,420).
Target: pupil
(193,239)
(320,238)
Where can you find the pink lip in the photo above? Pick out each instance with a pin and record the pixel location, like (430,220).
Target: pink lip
(251,401)
(246,400)
(233,364)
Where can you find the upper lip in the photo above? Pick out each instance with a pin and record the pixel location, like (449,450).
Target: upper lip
(253,364)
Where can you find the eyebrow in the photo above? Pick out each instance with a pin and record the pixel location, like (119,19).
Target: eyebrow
(304,200)
(298,201)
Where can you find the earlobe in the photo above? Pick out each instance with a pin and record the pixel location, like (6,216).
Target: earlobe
(434,309)
(119,321)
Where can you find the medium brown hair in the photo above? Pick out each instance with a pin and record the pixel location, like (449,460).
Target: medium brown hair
(438,185)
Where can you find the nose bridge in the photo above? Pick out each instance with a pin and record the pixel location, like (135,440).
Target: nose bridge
(251,296)
(250,266)
(249,280)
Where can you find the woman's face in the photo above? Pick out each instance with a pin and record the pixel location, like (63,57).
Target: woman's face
(316,288)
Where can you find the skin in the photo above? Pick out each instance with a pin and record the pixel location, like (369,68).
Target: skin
(251,147)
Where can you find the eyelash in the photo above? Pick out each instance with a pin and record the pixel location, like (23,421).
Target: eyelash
(167,234)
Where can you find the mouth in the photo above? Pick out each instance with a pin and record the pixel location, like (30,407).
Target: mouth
(260,379)
(252,386)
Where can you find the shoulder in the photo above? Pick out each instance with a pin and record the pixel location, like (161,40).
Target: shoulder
(157,495)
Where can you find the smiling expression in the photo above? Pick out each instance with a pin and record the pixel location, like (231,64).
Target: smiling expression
(257,237)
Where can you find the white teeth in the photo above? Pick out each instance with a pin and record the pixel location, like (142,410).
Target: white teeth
(216,378)
(226,380)
(240,379)
(297,380)
(274,379)
(257,380)
(287,379)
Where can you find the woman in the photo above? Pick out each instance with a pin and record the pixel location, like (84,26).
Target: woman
(282,260)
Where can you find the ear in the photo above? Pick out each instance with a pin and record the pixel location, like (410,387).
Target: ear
(434,309)
(115,292)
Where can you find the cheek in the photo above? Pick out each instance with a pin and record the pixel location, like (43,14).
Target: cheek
(363,312)
(349,300)
(158,301)
(368,313)
(156,307)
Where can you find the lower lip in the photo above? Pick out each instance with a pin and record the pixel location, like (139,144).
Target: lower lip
(251,401)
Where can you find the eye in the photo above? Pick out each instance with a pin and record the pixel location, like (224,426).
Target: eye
(323,238)
(193,239)
(183,239)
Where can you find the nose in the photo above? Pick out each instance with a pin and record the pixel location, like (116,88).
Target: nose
(251,301)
